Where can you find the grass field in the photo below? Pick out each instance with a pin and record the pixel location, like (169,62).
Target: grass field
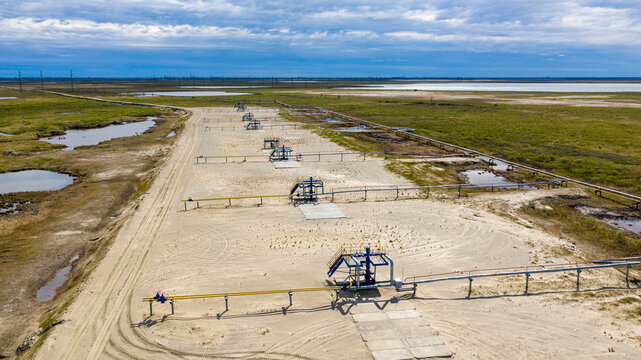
(598,145)
(55,225)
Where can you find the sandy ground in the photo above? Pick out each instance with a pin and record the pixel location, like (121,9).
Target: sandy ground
(216,249)
(572,100)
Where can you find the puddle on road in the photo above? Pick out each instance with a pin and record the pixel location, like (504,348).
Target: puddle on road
(33,180)
(48,291)
(74,138)
(484,177)
(624,222)
(171,134)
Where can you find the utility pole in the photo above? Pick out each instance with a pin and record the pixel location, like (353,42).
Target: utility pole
(20,79)
(71,79)
(42,81)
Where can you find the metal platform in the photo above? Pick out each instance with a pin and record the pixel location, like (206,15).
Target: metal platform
(286,164)
(316,211)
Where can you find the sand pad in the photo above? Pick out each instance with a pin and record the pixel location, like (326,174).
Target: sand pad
(321,211)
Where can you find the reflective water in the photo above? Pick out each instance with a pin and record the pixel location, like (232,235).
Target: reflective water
(171,134)
(11,207)
(33,180)
(503,86)
(5,134)
(624,222)
(74,138)
(498,164)
(48,291)
(354,128)
(333,121)
(221,87)
(484,177)
(8,98)
(188,93)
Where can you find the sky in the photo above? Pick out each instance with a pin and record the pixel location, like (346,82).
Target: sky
(400,38)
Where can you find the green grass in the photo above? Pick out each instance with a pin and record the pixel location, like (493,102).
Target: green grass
(598,145)
(42,114)
(604,239)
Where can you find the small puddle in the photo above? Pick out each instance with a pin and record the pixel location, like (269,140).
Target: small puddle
(48,291)
(354,128)
(5,134)
(74,138)
(33,180)
(498,164)
(484,177)
(11,207)
(333,121)
(171,134)
(8,98)
(188,93)
(624,222)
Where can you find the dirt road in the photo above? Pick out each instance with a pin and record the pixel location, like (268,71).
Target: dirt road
(247,247)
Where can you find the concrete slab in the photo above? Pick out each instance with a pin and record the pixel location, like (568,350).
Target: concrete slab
(378,345)
(370,317)
(364,308)
(396,354)
(378,335)
(400,305)
(420,341)
(323,210)
(402,314)
(416,331)
(431,352)
(374,325)
(409,322)
(286,164)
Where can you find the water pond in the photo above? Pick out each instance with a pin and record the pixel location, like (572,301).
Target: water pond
(8,98)
(48,291)
(74,138)
(624,222)
(188,93)
(484,177)
(33,180)
(171,134)
(507,86)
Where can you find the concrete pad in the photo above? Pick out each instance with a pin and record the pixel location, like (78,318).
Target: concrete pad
(370,317)
(377,335)
(409,322)
(286,164)
(401,305)
(323,210)
(402,314)
(378,345)
(430,352)
(416,331)
(374,325)
(420,341)
(396,354)
(361,308)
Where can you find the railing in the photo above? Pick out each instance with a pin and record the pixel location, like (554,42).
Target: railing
(365,191)
(527,271)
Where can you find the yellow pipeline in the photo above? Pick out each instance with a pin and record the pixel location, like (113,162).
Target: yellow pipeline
(245,293)
(237,197)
